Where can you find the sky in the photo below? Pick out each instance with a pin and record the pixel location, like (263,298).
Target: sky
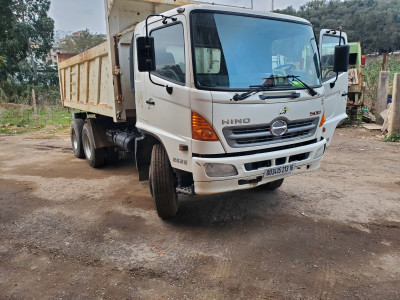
(74,15)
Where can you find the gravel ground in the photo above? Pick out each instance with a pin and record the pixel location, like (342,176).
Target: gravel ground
(72,232)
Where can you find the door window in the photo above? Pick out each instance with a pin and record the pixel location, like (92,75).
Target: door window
(327,55)
(169,46)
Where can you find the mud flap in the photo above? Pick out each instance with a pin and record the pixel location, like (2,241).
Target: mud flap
(143,148)
(97,127)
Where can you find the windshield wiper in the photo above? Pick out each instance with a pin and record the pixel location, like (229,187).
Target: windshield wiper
(254,89)
(296,78)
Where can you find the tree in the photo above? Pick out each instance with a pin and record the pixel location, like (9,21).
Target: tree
(81,41)
(313,5)
(38,73)
(374,23)
(26,30)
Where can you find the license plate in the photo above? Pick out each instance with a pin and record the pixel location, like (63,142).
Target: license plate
(279,170)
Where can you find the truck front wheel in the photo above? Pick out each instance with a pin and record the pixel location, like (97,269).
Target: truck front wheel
(273,185)
(95,157)
(163,183)
(76,137)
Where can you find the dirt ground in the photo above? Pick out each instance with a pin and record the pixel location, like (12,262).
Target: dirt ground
(68,231)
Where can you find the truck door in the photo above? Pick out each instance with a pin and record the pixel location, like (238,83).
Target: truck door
(167,92)
(335,95)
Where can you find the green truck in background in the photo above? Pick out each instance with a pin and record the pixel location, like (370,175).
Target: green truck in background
(356,86)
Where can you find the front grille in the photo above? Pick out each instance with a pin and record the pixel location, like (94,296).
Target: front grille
(258,135)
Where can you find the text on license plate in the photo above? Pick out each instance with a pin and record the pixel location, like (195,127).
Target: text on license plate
(279,170)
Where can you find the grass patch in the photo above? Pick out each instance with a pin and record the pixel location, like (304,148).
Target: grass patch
(394,137)
(17,118)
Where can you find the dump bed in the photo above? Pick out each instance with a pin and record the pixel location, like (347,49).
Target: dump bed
(98,80)
(86,81)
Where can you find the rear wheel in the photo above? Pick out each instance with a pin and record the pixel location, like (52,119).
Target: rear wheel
(163,183)
(95,157)
(273,185)
(76,137)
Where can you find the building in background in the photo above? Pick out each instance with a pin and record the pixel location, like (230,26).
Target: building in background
(59,37)
(52,55)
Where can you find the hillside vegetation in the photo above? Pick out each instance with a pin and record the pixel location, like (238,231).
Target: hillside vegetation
(374,23)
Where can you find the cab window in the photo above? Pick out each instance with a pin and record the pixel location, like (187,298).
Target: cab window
(327,55)
(170,53)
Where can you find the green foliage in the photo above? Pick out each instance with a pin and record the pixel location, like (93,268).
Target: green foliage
(394,137)
(371,76)
(37,73)
(2,62)
(16,118)
(372,22)
(11,92)
(392,65)
(81,41)
(26,30)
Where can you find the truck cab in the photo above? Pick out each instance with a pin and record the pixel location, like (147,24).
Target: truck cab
(253,106)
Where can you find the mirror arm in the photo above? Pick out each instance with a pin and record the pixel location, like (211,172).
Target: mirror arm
(147,22)
(332,84)
(157,15)
(340,35)
(168,88)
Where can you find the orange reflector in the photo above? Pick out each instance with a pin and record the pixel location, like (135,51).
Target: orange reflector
(183,147)
(322,119)
(324,129)
(201,129)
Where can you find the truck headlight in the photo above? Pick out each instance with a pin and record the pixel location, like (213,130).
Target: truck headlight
(220,170)
(320,152)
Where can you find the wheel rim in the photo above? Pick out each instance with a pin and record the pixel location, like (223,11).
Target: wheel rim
(86,146)
(74,139)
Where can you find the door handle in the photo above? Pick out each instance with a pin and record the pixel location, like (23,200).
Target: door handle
(345,94)
(150,102)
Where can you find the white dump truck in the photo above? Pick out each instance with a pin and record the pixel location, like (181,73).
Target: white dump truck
(208,98)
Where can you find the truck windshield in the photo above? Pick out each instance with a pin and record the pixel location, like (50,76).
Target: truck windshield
(234,52)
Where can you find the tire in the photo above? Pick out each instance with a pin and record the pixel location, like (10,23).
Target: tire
(76,137)
(112,155)
(163,183)
(273,185)
(95,157)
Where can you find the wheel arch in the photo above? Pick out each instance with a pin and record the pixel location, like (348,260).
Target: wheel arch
(143,148)
(79,115)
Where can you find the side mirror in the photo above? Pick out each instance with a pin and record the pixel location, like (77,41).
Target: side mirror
(341,59)
(146,54)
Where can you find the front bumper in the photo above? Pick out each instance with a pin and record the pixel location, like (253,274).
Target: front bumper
(249,178)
